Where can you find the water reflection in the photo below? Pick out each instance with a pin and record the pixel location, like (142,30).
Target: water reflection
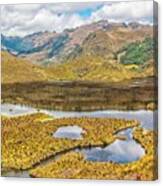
(119,151)
(147,118)
(70,132)
(14,110)
(16,173)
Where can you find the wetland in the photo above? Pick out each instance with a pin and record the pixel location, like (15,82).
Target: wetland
(72,129)
(87,138)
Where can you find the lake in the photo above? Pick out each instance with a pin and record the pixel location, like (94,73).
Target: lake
(120,151)
(147,118)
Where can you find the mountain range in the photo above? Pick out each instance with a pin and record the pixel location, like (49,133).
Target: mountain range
(97,51)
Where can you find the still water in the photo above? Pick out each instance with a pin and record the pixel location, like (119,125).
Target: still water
(120,151)
(147,118)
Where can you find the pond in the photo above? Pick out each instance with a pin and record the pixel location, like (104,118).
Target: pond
(70,132)
(120,151)
(147,118)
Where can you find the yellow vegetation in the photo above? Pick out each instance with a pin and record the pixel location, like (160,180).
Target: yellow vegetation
(85,67)
(15,69)
(26,140)
(132,66)
(73,165)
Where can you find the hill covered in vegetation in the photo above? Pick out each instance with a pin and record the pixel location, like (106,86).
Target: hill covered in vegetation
(15,69)
(139,52)
(100,51)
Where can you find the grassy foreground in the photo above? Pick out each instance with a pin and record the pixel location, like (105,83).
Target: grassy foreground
(27,142)
(73,165)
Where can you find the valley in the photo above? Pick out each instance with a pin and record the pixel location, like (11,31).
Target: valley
(81,103)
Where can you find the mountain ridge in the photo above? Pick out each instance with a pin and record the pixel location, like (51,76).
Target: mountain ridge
(46,48)
(110,52)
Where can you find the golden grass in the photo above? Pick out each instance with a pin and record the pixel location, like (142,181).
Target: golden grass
(15,69)
(91,68)
(85,67)
(26,140)
(73,165)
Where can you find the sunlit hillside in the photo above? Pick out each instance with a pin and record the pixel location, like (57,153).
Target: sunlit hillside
(15,69)
(85,67)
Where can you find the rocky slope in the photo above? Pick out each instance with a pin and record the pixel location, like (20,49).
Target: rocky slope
(99,51)
(101,38)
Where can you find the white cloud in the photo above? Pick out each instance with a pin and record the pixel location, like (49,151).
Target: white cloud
(126,11)
(23,24)
(72,7)
(28,18)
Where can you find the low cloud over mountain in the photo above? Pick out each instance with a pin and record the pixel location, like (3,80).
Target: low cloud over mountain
(25,19)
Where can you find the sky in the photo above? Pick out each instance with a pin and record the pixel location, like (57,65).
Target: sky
(24,19)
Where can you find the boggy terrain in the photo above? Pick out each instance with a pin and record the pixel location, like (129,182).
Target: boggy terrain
(23,148)
(28,139)
(73,165)
(84,95)
(93,67)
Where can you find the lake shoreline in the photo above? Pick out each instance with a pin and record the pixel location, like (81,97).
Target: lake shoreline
(83,96)
(53,157)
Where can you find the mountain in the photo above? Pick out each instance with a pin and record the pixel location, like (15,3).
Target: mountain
(100,51)
(101,38)
(15,44)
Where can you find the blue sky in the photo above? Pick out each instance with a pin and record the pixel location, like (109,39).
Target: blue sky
(25,19)
(87,12)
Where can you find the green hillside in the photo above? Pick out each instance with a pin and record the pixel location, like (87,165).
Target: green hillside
(139,52)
